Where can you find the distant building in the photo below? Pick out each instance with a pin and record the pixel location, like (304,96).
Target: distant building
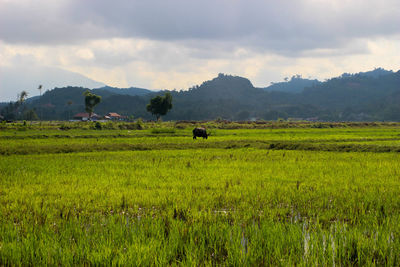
(114,116)
(312,119)
(295,119)
(83,116)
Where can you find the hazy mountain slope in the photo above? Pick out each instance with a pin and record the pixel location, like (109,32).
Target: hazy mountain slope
(14,80)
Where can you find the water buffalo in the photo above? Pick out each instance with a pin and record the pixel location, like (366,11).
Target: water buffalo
(200,132)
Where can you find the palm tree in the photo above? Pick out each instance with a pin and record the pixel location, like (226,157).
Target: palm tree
(21,99)
(69,103)
(40,87)
(22,96)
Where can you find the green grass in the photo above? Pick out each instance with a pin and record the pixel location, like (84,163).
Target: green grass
(56,141)
(162,198)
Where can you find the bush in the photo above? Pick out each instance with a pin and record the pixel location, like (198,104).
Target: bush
(65,127)
(98,125)
(110,125)
(131,126)
(139,124)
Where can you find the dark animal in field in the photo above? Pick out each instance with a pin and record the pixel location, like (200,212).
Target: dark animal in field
(200,132)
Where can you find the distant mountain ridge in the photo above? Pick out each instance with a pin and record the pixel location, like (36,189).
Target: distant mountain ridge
(375,73)
(132,91)
(295,85)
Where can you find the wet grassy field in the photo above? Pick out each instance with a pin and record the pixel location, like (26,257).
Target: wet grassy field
(273,196)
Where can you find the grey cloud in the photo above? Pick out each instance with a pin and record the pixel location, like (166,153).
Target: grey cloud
(285,27)
(268,25)
(46,22)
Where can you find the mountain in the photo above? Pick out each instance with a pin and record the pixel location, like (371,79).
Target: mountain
(353,90)
(222,87)
(376,73)
(295,85)
(14,80)
(125,91)
(367,96)
(235,98)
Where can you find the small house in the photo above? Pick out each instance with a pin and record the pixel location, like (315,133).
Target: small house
(114,116)
(83,116)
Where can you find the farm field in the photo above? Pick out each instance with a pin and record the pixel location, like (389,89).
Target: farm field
(278,196)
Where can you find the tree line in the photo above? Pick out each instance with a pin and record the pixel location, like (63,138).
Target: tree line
(158,106)
(18,110)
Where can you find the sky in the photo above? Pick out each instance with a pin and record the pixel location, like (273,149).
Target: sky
(175,44)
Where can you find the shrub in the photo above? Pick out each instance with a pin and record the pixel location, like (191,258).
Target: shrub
(65,127)
(110,125)
(98,125)
(139,124)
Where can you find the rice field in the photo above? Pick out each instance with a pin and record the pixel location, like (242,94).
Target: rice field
(250,197)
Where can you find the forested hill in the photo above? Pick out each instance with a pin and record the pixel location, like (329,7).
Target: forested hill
(126,91)
(295,85)
(367,96)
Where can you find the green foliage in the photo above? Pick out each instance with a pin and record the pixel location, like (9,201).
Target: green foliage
(9,111)
(98,125)
(128,126)
(219,120)
(159,106)
(22,97)
(139,124)
(91,100)
(65,127)
(110,125)
(31,115)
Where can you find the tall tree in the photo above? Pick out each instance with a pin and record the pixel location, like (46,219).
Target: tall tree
(30,115)
(91,100)
(160,105)
(19,108)
(40,88)
(22,96)
(69,103)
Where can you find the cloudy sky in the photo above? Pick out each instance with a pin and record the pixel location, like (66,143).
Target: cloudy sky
(167,44)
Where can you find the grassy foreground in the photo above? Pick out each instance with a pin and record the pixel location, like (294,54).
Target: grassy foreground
(230,200)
